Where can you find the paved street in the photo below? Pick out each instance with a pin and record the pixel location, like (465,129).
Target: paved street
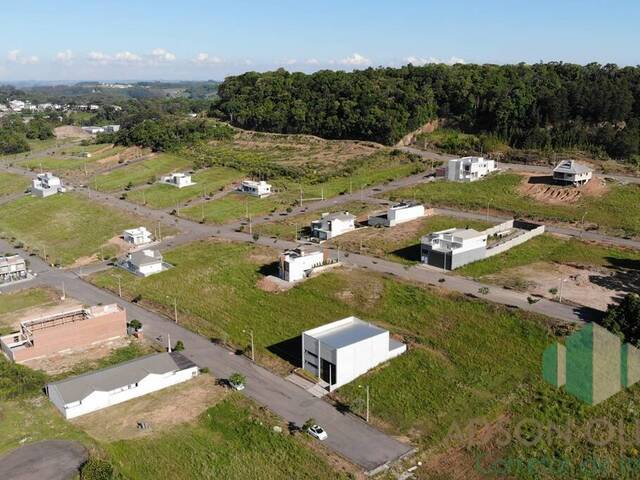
(48,460)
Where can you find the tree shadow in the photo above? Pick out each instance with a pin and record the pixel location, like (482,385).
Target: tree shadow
(625,276)
(289,350)
(412,252)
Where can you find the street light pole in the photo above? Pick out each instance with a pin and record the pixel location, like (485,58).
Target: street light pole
(367,390)
(119,287)
(582,223)
(253,355)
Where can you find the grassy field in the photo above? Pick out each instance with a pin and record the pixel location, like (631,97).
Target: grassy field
(402,242)
(468,354)
(232,440)
(67,159)
(547,248)
(68,226)
(139,173)
(234,206)
(24,299)
(208,182)
(617,212)
(11,183)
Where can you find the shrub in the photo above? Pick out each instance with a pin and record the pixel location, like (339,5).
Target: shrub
(179,346)
(97,469)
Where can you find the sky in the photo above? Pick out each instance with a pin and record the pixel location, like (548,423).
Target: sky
(118,40)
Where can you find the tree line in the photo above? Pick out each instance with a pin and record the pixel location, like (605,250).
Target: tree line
(15,133)
(543,106)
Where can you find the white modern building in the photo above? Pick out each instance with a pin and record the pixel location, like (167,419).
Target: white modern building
(297,264)
(137,236)
(111,128)
(145,262)
(454,247)
(179,180)
(332,225)
(396,214)
(94,391)
(259,189)
(469,169)
(46,184)
(570,172)
(13,268)
(93,130)
(341,351)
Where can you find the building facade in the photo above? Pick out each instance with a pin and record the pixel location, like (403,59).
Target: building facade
(341,351)
(46,184)
(332,225)
(94,391)
(13,268)
(396,214)
(570,172)
(259,189)
(145,262)
(297,264)
(454,247)
(137,236)
(179,180)
(68,330)
(469,169)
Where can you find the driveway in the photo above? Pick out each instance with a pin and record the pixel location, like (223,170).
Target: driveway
(48,460)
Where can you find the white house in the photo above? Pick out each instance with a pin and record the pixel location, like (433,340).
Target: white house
(257,189)
(469,169)
(111,128)
(179,180)
(13,268)
(46,184)
(332,225)
(93,129)
(396,214)
(570,172)
(145,262)
(341,351)
(452,248)
(137,236)
(94,391)
(297,264)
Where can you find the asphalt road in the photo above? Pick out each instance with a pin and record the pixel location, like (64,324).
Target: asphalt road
(48,460)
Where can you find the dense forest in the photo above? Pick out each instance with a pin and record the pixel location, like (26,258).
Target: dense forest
(14,133)
(546,105)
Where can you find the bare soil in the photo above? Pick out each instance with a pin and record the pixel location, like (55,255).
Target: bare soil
(542,189)
(69,131)
(127,155)
(588,286)
(161,410)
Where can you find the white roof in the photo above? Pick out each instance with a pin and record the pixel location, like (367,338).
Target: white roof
(344,332)
(571,167)
(134,232)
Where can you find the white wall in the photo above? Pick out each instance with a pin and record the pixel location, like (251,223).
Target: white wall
(396,216)
(299,265)
(99,400)
(151,269)
(358,358)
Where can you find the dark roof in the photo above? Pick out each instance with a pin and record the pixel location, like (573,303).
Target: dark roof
(128,373)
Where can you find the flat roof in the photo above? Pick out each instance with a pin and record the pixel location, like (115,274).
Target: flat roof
(128,373)
(344,332)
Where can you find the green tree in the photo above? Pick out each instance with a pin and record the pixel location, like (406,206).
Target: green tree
(97,469)
(624,319)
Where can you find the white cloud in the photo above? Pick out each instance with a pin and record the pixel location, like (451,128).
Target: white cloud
(65,57)
(356,59)
(206,59)
(16,56)
(419,61)
(290,61)
(98,57)
(311,61)
(162,55)
(127,57)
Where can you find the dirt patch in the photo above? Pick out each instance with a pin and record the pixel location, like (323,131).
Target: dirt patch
(582,285)
(542,189)
(64,362)
(272,284)
(161,410)
(362,290)
(69,131)
(127,155)
(55,304)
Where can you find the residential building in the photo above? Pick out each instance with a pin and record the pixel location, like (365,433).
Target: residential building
(46,184)
(137,236)
(16,105)
(257,189)
(93,130)
(332,225)
(570,172)
(455,247)
(341,351)
(396,214)
(13,268)
(297,264)
(145,262)
(469,169)
(111,128)
(74,328)
(179,180)
(94,391)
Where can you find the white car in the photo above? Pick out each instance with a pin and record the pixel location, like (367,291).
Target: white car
(236,386)
(318,432)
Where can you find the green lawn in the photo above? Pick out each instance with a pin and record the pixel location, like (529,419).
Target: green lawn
(140,172)
(231,440)
(234,207)
(465,356)
(402,242)
(23,299)
(67,160)
(617,212)
(68,226)
(547,248)
(208,182)
(11,183)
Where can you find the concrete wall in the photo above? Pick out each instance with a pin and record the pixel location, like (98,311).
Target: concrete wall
(74,335)
(358,358)
(524,236)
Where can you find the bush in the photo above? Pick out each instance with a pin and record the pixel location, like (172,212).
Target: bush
(18,381)
(179,346)
(97,469)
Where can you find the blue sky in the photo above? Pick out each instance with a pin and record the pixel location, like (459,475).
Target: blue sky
(197,39)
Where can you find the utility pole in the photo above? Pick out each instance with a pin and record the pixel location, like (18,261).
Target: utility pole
(64,293)
(175,308)
(169,342)
(562,280)
(367,390)
(582,224)
(159,233)
(253,355)
(119,286)
(488,201)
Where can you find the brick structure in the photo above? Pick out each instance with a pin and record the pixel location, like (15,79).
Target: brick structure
(65,331)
